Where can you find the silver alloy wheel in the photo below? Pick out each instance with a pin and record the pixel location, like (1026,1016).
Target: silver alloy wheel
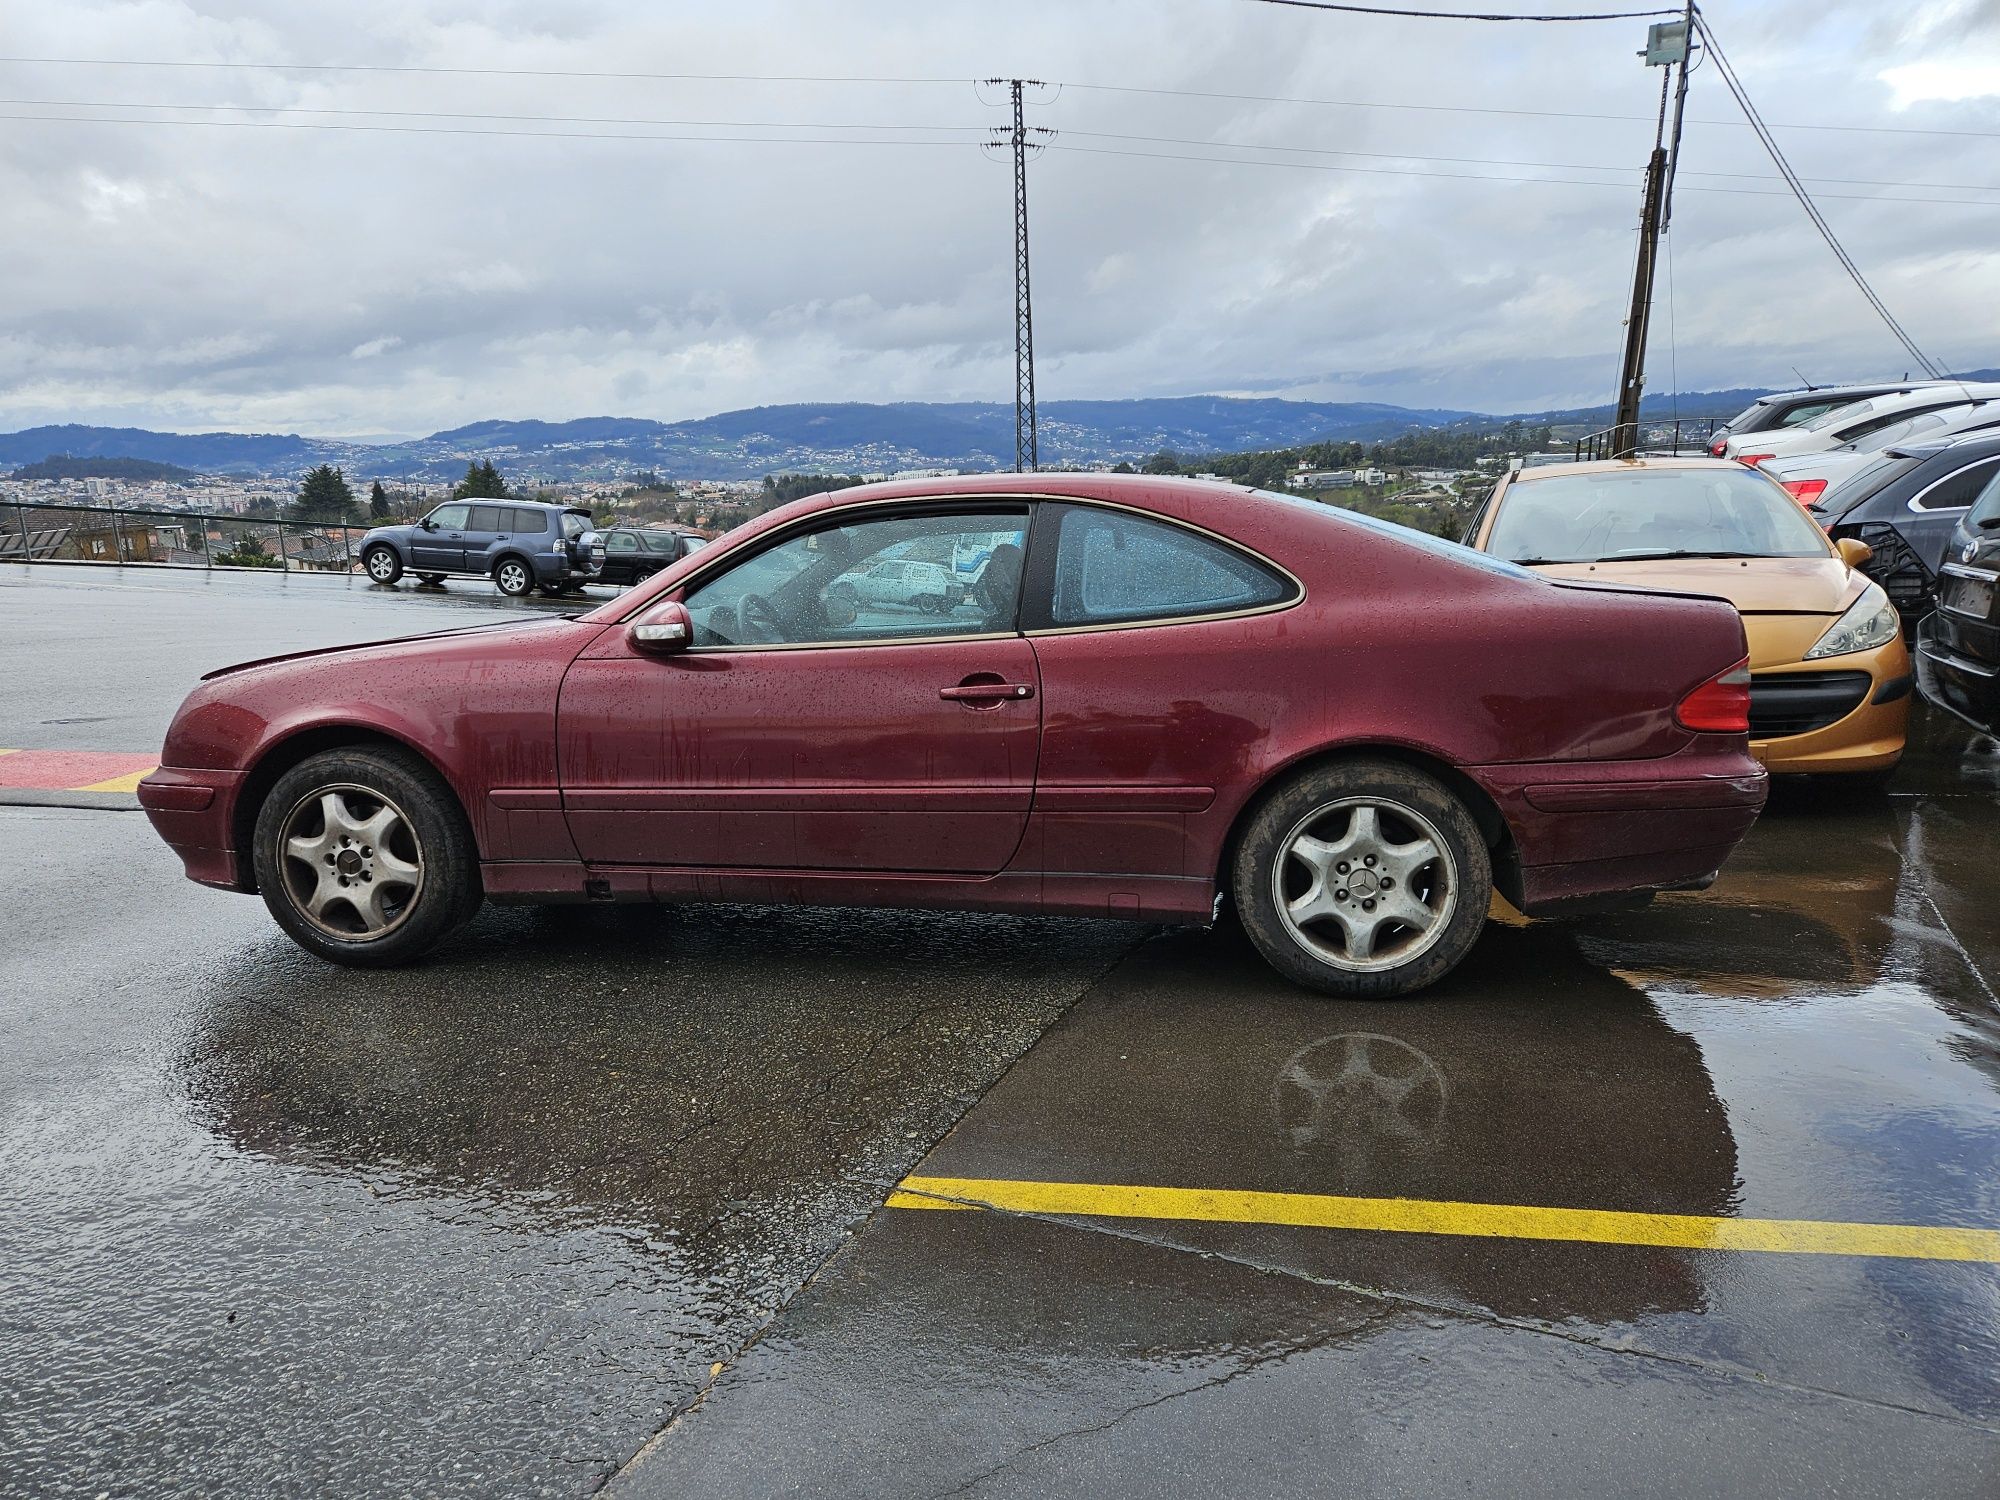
(512,578)
(1364,883)
(381,564)
(352,864)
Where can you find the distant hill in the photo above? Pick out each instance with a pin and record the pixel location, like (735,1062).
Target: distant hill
(821,437)
(62,466)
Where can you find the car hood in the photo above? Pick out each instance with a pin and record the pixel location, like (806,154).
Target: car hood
(497,628)
(1758,585)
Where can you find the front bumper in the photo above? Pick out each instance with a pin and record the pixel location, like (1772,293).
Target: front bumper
(194,811)
(1952,677)
(1868,725)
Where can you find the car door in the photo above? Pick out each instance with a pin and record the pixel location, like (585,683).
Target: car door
(485,529)
(808,728)
(438,544)
(1141,627)
(621,556)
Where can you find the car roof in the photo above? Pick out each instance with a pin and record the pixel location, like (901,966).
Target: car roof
(1973,442)
(1858,390)
(1622,465)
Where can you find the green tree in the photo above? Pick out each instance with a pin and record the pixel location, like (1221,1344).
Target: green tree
(378,502)
(1166,461)
(482,482)
(325,496)
(1122,467)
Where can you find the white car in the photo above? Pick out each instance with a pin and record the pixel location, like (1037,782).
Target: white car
(1807,476)
(896,581)
(1856,420)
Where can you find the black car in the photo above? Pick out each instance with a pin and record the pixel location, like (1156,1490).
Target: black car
(1904,506)
(1782,409)
(626,554)
(1958,647)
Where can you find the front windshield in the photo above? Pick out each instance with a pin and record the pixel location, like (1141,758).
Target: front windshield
(1845,413)
(1634,514)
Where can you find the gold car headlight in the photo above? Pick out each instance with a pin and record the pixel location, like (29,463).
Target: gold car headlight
(1870,621)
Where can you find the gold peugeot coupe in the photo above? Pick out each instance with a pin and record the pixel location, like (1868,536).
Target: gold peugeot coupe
(1829,673)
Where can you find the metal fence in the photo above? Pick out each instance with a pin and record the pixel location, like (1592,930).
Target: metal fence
(1652,438)
(44,531)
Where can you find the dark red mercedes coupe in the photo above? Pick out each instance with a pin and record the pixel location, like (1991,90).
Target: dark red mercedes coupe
(1065,693)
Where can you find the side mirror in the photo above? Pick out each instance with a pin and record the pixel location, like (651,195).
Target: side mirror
(662,630)
(428,524)
(1853,551)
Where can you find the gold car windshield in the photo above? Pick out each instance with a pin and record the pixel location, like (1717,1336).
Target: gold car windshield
(1635,514)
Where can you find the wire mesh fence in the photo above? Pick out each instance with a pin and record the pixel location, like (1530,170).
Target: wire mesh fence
(45,531)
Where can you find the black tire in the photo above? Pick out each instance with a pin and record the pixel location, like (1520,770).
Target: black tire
(1319,950)
(514,577)
(382,564)
(429,833)
(435,580)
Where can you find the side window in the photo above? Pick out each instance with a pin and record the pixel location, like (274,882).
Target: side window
(529,522)
(661,541)
(1877,423)
(886,579)
(1112,567)
(485,518)
(1960,489)
(1801,414)
(450,517)
(621,541)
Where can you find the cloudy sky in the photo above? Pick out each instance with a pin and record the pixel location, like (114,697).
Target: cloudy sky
(478,222)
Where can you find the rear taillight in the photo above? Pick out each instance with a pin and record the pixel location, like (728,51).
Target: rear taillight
(1720,705)
(1715,448)
(1805,491)
(1753,459)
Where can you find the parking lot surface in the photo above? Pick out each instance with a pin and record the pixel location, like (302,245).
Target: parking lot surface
(598,1197)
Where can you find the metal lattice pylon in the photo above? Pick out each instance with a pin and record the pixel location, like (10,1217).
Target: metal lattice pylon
(1021,139)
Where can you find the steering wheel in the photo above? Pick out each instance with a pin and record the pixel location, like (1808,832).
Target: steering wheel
(760,622)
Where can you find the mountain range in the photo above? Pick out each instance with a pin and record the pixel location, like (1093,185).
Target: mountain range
(840,437)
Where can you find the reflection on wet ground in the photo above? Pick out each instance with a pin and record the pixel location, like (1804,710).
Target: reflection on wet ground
(474,1228)
(1814,1038)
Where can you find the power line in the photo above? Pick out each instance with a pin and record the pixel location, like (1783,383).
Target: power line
(532,135)
(1798,188)
(915,81)
(968,130)
(1462,15)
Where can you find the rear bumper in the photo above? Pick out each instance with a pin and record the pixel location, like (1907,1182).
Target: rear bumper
(194,811)
(1589,833)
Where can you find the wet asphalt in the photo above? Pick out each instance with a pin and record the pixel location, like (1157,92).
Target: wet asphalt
(594,1197)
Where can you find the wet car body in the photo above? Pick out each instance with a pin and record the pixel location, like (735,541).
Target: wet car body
(1958,645)
(1018,765)
(1809,713)
(1905,507)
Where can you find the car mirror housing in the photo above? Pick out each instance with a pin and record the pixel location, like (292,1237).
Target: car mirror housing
(1853,551)
(662,630)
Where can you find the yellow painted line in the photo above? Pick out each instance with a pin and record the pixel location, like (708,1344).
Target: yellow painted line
(127,783)
(8,752)
(1096,1200)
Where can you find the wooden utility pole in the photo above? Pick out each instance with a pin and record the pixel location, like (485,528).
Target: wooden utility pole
(1666,45)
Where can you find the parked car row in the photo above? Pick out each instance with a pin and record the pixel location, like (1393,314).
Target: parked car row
(521,545)
(1911,470)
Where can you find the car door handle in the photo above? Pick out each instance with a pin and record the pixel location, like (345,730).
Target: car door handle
(986,692)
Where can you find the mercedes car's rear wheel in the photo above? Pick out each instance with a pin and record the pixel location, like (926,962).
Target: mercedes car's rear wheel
(383,565)
(364,857)
(1363,878)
